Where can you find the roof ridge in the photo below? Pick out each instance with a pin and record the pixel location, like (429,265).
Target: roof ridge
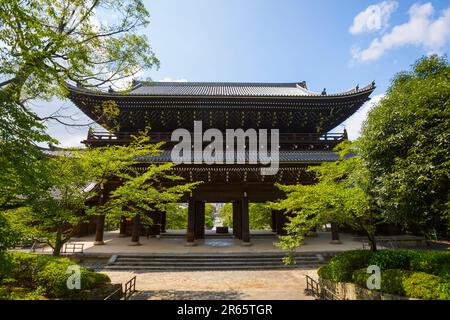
(221,83)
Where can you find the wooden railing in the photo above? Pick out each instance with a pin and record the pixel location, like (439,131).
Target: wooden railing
(125,292)
(73,248)
(130,288)
(315,289)
(302,138)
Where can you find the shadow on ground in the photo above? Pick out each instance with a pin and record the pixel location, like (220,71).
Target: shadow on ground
(186,295)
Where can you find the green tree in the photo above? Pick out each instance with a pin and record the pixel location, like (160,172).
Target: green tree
(55,207)
(259,215)
(176,216)
(45,44)
(338,196)
(138,192)
(405,147)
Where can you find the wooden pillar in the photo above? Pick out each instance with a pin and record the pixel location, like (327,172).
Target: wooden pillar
(273,222)
(100,226)
(245,221)
(136,230)
(199,220)
(235,217)
(155,228)
(237,208)
(123,227)
(281,220)
(190,235)
(335,234)
(163,222)
(99,230)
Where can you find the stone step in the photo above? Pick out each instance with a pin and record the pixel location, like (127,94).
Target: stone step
(207,263)
(213,259)
(206,268)
(213,256)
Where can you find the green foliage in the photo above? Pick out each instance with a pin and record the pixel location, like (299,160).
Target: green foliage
(140,192)
(433,262)
(405,149)
(52,45)
(53,207)
(41,276)
(341,267)
(46,44)
(209,210)
(401,271)
(392,281)
(421,285)
(259,215)
(339,195)
(393,259)
(176,216)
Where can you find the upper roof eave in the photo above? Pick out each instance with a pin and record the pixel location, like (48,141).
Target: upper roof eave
(128,94)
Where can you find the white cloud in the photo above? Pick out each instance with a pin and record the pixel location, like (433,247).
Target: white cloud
(421,30)
(374,18)
(354,123)
(169,79)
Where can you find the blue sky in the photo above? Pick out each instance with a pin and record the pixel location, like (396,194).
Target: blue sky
(332,44)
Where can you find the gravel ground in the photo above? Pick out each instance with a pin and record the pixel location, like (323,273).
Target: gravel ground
(216,285)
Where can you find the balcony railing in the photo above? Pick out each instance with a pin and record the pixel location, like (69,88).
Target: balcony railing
(107,138)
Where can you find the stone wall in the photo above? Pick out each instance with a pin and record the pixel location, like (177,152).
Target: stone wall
(350,291)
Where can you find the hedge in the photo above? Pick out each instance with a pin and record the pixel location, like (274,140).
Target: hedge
(47,275)
(410,273)
(341,267)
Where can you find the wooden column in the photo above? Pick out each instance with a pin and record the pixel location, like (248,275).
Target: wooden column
(155,228)
(235,217)
(136,230)
(245,221)
(99,230)
(123,227)
(163,222)
(190,235)
(273,222)
(237,208)
(199,220)
(335,234)
(281,220)
(100,226)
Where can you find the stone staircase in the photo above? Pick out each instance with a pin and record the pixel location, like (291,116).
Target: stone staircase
(211,262)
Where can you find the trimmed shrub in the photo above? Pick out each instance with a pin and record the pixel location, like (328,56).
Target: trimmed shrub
(393,259)
(433,262)
(47,275)
(359,277)
(341,267)
(392,281)
(422,285)
(324,272)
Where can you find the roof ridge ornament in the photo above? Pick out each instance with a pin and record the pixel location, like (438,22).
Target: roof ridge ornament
(324,91)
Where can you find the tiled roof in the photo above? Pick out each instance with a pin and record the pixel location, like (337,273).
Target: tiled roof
(284,156)
(220,89)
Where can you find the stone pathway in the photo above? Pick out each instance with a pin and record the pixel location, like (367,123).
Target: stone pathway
(217,285)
